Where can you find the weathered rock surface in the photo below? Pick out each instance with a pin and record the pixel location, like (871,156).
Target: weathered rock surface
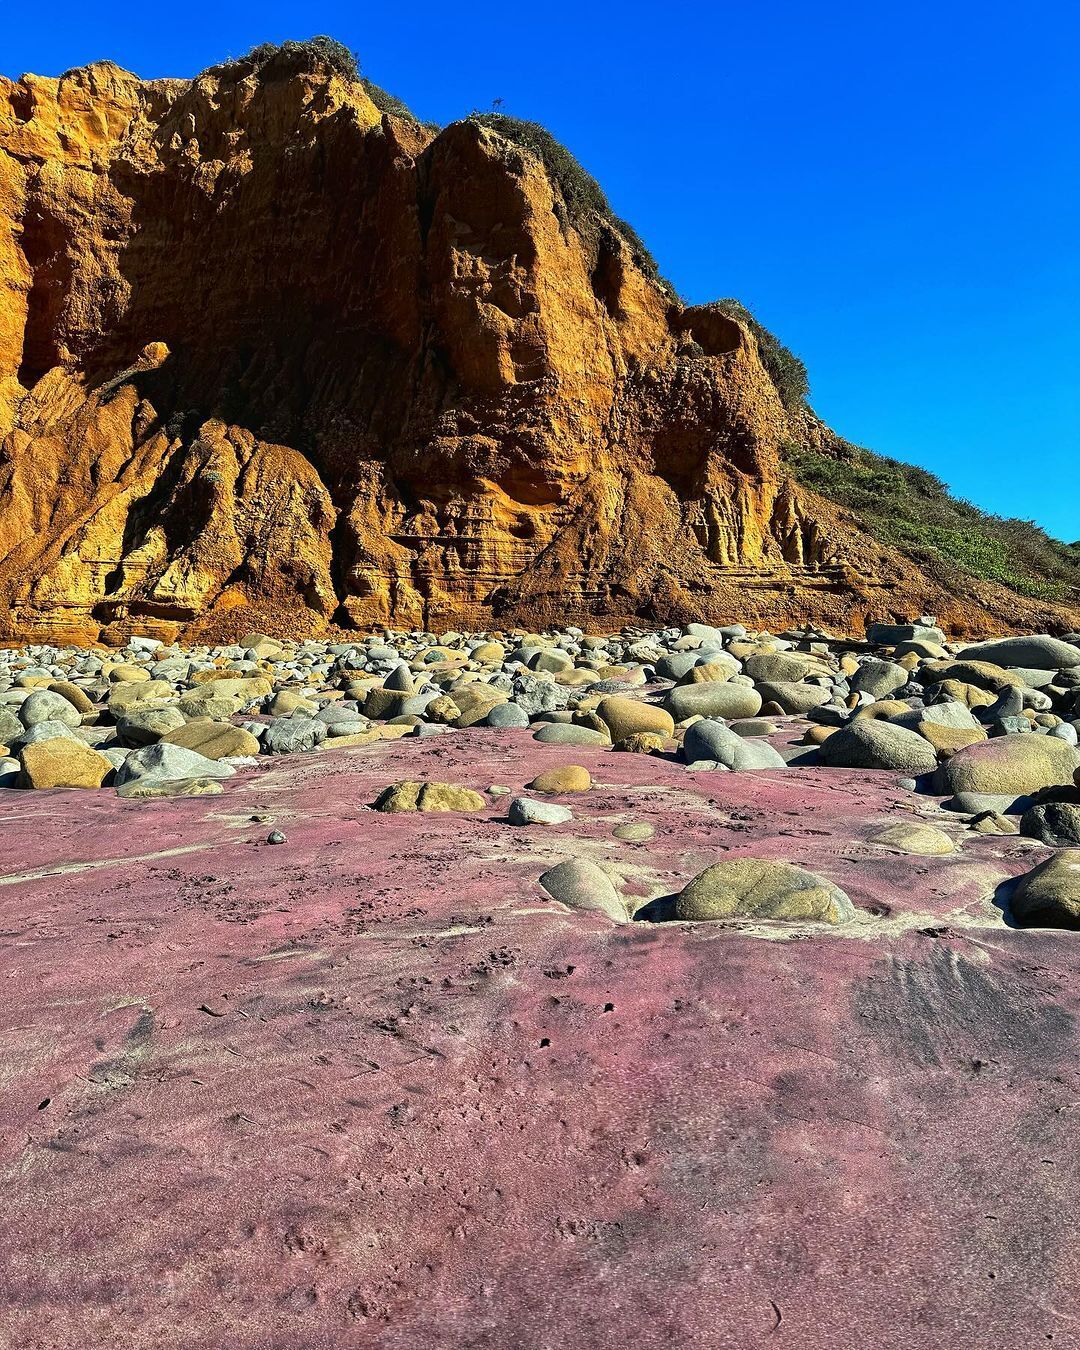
(377,1089)
(751,889)
(407,387)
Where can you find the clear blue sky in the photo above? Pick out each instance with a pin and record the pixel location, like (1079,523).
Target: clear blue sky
(893,188)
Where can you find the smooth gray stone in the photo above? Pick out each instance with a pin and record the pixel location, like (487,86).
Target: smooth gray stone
(711,740)
(580,884)
(714,699)
(163,763)
(10,727)
(1038,650)
(292,735)
(45,731)
(974,803)
(43,705)
(892,634)
(868,743)
(879,679)
(506,715)
(563,733)
(525,811)
(947,714)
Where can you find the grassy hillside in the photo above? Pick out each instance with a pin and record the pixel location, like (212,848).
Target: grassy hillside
(911,510)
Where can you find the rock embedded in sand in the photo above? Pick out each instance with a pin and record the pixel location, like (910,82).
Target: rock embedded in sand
(1049,895)
(750,888)
(566,778)
(412,796)
(914,837)
(580,884)
(565,733)
(171,787)
(635,832)
(525,811)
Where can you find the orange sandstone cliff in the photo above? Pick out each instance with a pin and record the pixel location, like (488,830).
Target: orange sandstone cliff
(269,357)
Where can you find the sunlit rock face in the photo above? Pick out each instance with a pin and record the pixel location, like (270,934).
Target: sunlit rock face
(270,357)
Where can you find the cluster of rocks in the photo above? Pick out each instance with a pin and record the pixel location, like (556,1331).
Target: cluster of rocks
(992,727)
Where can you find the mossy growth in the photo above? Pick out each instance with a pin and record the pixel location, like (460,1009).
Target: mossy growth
(583,201)
(913,511)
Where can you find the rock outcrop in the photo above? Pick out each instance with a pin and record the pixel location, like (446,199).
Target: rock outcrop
(272,358)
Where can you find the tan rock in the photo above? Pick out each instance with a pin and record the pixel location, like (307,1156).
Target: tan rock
(750,888)
(215,740)
(817,734)
(623,717)
(947,740)
(911,836)
(411,796)
(60,763)
(566,778)
(645,743)
(126,674)
(78,698)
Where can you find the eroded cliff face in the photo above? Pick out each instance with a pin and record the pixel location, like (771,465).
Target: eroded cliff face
(271,358)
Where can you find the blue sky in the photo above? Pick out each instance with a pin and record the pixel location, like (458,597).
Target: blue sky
(894,189)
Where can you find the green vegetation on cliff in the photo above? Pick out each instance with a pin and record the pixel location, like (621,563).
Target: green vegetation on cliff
(587,208)
(913,511)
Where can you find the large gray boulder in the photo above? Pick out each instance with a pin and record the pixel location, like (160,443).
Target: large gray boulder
(164,763)
(712,699)
(1039,651)
(712,740)
(869,743)
(1009,766)
(879,679)
(291,735)
(43,705)
(892,634)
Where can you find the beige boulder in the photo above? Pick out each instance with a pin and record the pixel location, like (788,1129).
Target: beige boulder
(410,796)
(63,763)
(749,888)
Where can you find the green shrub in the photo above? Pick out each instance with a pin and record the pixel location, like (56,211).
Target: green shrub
(912,510)
(387,103)
(784,368)
(587,208)
(272,60)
